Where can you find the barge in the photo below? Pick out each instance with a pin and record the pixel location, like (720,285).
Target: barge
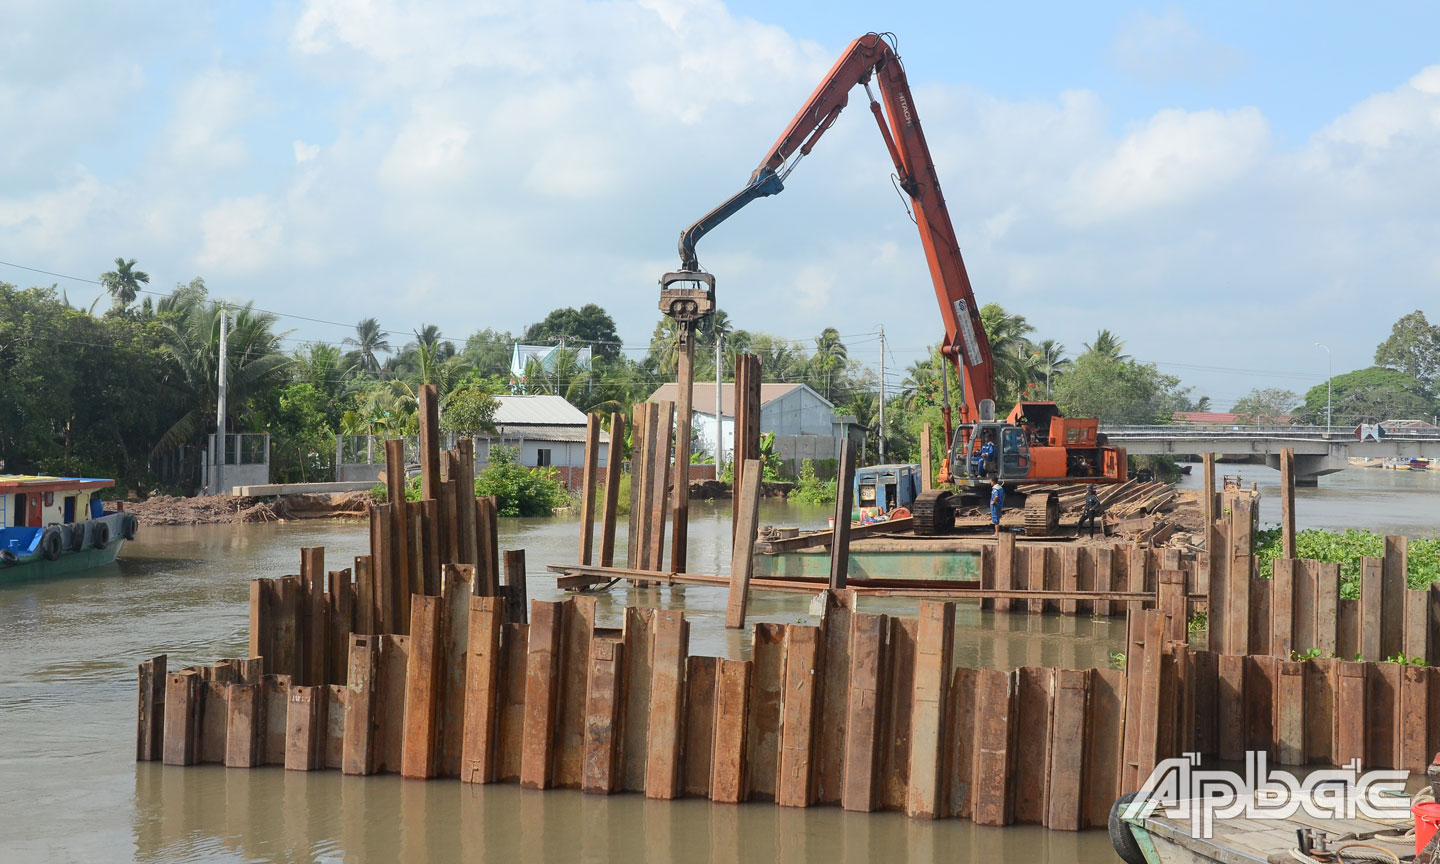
(50,526)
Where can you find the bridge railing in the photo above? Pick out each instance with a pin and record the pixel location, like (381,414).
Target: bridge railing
(1239,431)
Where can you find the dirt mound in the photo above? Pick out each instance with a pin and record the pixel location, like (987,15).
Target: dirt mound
(203,510)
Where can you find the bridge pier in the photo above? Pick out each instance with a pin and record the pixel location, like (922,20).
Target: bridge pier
(1309,467)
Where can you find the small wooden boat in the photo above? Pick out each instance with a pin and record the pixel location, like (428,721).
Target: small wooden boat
(55,525)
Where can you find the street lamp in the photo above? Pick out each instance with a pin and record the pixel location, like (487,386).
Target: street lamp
(1329,374)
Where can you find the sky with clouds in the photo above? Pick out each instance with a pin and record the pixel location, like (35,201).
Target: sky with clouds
(1222,185)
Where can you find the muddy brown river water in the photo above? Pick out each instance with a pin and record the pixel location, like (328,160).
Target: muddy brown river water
(70,789)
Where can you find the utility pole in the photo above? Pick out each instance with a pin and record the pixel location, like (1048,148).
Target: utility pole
(1329,376)
(719,425)
(220,403)
(881,445)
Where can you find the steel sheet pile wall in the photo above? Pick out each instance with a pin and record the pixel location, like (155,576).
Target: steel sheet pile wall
(865,711)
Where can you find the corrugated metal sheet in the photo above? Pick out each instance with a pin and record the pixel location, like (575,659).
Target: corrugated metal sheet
(538,410)
(513,432)
(705,395)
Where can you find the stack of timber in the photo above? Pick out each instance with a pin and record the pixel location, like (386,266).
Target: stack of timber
(865,711)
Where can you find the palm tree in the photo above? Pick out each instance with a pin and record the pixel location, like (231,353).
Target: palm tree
(254,362)
(665,346)
(124,281)
(1107,346)
(1048,362)
(830,357)
(369,341)
(1008,347)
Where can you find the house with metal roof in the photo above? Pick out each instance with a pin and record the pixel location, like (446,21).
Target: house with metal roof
(803,422)
(547,430)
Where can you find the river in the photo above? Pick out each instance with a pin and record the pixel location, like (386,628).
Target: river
(70,789)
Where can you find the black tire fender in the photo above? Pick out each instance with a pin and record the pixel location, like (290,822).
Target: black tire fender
(129,525)
(51,543)
(8,556)
(77,536)
(1121,837)
(99,534)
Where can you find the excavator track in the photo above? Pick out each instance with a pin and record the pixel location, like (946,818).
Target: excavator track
(1042,514)
(933,512)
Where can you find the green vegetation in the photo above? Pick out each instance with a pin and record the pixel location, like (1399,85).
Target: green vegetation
(810,489)
(1346,548)
(518,491)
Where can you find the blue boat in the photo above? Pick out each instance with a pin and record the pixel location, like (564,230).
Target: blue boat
(55,525)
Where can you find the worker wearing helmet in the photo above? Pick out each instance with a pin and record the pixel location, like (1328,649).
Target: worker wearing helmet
(997,503)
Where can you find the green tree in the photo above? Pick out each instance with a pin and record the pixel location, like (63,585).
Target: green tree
(1009,346)
(1106,344)
(1267,405)
(829,361)
(302,440)
(370,342)
(1116,390)
(124,282)
(470,410)
(1047,363)
(1413,347)
(488,352)
(590,324)
(1368,396)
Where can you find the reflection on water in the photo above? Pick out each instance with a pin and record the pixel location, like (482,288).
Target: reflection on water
(70,790)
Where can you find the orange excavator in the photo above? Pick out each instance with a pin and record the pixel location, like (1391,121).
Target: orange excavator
(1034,444)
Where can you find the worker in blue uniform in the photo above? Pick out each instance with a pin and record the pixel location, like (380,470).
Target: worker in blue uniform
(997,503)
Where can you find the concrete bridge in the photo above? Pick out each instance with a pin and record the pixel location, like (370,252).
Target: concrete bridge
(1317,451)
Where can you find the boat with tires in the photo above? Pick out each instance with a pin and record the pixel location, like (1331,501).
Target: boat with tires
(55,525)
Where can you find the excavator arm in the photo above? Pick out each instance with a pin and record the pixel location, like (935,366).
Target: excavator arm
(869,58)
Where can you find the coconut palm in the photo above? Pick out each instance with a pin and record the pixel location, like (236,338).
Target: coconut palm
(124,281)
(254,362)
(1008,344)
(1047,363)
(369,342)
(830,359)
(1107,345)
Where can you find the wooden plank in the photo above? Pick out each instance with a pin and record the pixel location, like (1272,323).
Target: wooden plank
(795,786)
(1289,714)
(844,500)
(641,434)
(1230,720)
(1104,565)
(1005,566)
(1205,668)
(578,625)
(1372,577)
(588,480)
(699,747)
(1258,637)
(542,681)
(960,744)
(1287,502)
(1327,603)
(422,689)
(262,623)
(934,641)
(1105,716)
(1217,560)
(1350,703)
(994,748)
(214,715)
(1170,601)
(361,679)
(1411,718)
(1392,597)
(419,557)
(150,713)
(1238,572)
(834,695)
(684,418)
(1070,578)
(1319,710)
(897,691)
(614,461)
(431,554)
(287,631)
(182,708)
(390,702)
(1138,558)
(605,698)
(337,709)
(398,542)
(243,726)
(728,783)
(382,555)
(659,479)
(1039,559)
(639,638)
(1066,772)
(517,603)
(468,516)
(428,403)
(514,646)
(1347,629)
(747,509)
(1261,682)
(340,615)
(457,590)
(927,475)
(1033,720)
(862,712)
(1282,607)
(1306,587)
(1382,715)
(665,727)
(487,532)
(762,737)
(1417,623)
(274,705)
(479,747)
(305,729)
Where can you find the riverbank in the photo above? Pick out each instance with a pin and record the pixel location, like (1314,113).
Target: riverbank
(237,509)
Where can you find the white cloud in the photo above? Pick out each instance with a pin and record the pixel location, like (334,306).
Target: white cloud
(813,287)
(209,111)
(1170,47)
(241,236)
(305,152)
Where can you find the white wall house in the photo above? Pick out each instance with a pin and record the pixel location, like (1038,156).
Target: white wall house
(548,431)
(803,422)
